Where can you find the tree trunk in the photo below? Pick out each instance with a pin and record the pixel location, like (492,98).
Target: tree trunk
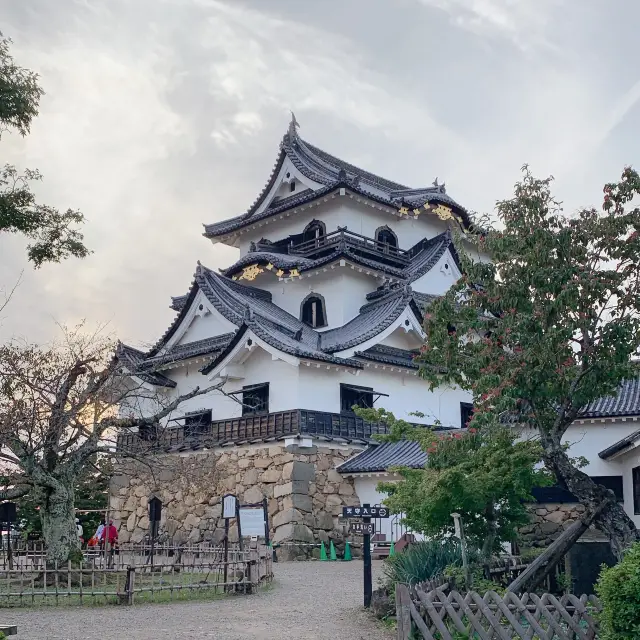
(59,525)
(612,519)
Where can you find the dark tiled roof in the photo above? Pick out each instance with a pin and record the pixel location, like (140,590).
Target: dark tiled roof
(389,355)
(619,446)
(132,359)
(380,457)
(177,302)
(625,403)
(373,318)
(279,260)
(331,172)
(206,347)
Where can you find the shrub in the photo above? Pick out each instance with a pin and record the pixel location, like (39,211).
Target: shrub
(619,591)
(424,561)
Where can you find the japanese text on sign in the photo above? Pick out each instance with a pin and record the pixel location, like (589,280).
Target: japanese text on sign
(365,512)
(363,528)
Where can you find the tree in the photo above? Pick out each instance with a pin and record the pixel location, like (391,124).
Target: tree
(91,493)
(549,325)
(485,475)
(58,411)
(54,234)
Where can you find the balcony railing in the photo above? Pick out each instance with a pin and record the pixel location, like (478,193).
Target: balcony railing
(367,247)
(256,428)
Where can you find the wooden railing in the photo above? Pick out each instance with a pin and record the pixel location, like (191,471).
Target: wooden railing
(374,248)
(259,427)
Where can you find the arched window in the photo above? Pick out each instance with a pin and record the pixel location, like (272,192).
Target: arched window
(315,230)
(388,241)
(313,312)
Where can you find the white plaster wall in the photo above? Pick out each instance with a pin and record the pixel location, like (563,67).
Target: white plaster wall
(367,492)
(402,339)
(341,211)
(207,326)
(440,278)
(590,438)
(319,389)
(343,290)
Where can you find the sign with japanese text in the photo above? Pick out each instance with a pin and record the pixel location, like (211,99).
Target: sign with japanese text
(365,512)
(363,528)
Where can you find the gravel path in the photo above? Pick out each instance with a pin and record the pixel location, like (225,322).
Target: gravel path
(310,601)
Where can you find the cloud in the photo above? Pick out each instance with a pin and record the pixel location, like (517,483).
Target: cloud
(524,23)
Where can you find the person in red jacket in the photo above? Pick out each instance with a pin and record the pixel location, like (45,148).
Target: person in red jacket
(110,533)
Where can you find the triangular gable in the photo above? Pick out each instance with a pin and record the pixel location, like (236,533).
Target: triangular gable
(440,277)
(201,320)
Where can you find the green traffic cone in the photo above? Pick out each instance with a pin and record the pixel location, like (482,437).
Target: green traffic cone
(332,552)
(347,551)
(392,550)
(323,552)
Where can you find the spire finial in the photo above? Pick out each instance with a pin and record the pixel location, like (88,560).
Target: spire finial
(435,182)
(293,125)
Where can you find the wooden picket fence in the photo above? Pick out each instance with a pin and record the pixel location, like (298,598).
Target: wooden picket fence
(436,615)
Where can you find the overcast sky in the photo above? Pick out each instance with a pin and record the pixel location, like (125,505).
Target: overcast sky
(161,115)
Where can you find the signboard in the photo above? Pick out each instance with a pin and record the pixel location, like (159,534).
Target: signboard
(365,512)
(363,528)
(229,506)
(252,521)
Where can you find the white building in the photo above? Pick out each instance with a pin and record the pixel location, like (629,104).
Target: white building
(323,311)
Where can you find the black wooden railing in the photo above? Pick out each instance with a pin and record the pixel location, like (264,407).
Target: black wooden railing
(364,245)
(256,428)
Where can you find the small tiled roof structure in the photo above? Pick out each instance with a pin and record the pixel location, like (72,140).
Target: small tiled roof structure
(625,403)
(378,458)
(627,442)
(390,355)
(424,256)
(133,359)
(333,173)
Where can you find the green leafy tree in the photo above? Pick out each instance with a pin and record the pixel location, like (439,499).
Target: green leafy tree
(53,234)
(619,590)
(549,325)
(485,475)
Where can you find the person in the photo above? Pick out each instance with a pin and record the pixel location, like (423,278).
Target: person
(79,530)
(99,531)
(111,534)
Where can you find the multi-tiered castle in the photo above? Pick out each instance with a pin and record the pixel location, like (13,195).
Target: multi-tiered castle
(322,311)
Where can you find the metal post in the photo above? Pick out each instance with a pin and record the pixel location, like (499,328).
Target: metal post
(265,506)
(226,549)
(154,528)
(9,554)
(238,525)
(368,588)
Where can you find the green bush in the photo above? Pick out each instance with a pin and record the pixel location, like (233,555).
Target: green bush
(619,591)
(424,561)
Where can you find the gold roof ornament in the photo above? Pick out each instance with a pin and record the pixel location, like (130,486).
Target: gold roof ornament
(416,212)
(269,267)
(426,206)
(279,273)
(294,273)
(444,213)
(251,272)
(403,211)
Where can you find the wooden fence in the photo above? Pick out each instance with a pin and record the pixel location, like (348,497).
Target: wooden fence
(436,615)
(106,580)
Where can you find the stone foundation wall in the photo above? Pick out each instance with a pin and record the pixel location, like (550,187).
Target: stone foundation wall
(548,521)
(305,494)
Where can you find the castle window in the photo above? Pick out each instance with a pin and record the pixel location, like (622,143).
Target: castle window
(255,399)
(387,240)
(313,311)
(364,397)
(315,230)
(148,432)
(466,411)
(292,186)
(351,396)
(196,423)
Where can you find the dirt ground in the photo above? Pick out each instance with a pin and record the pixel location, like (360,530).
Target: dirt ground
(309,601)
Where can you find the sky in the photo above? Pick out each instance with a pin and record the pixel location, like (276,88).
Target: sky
(162,115)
